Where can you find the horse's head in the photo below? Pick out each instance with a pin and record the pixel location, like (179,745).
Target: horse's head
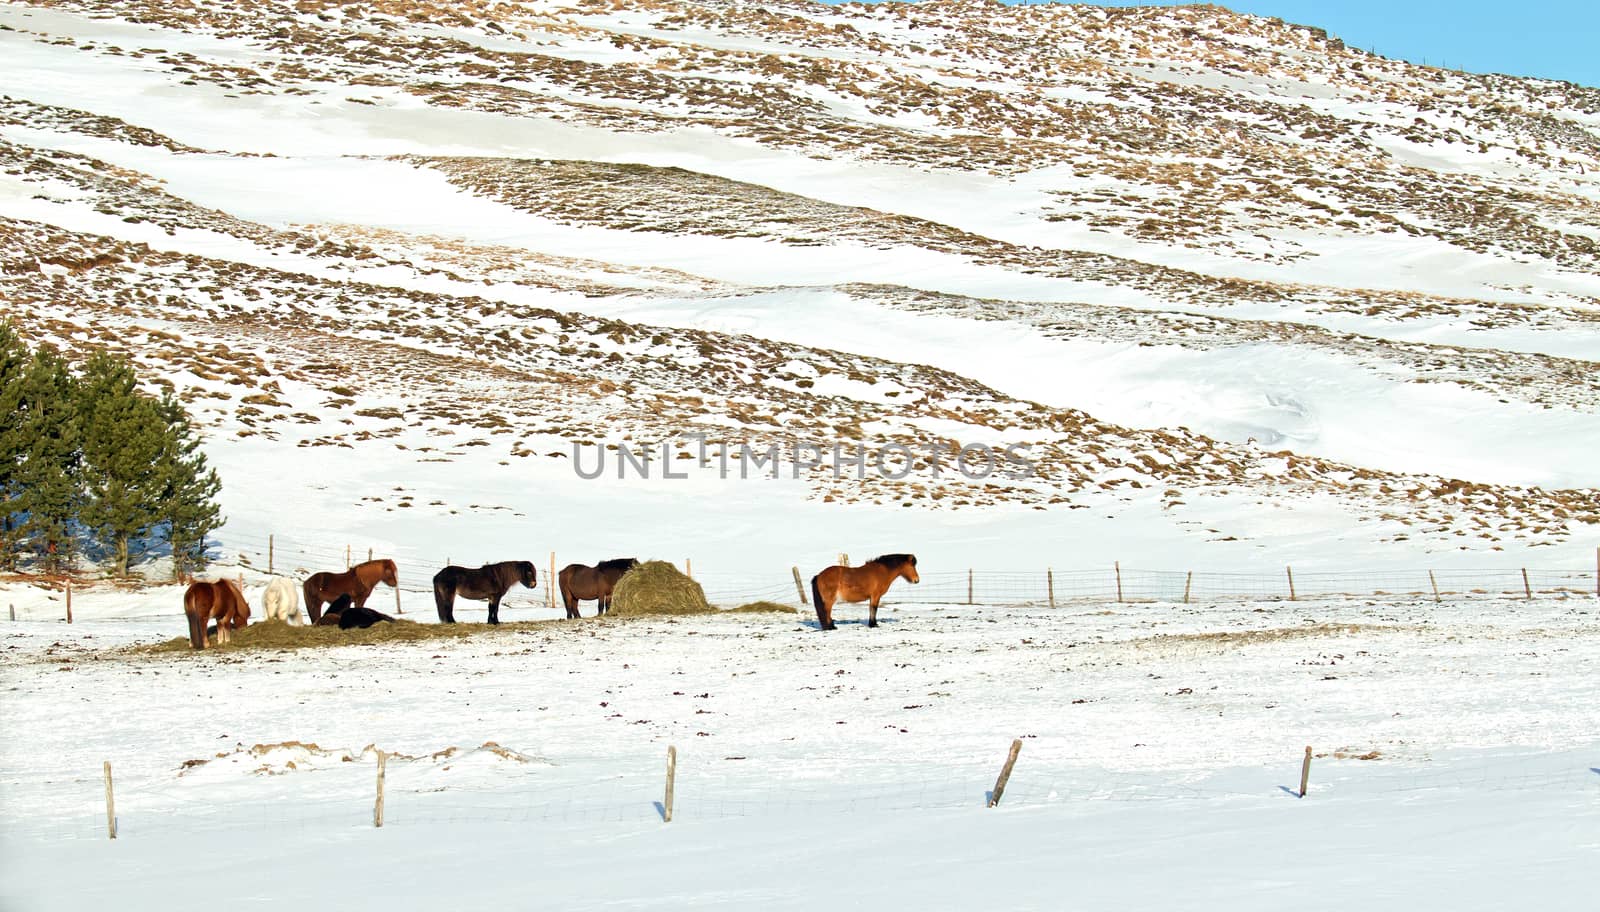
(527,574)
(909,569)
(391,573)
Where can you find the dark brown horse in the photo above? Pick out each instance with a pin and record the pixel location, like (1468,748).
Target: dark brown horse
(357,582)
(581,581)
(220,601)
(343,614)
(487,583)
(866,583)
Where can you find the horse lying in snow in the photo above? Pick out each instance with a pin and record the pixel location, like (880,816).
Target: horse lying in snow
(345,614)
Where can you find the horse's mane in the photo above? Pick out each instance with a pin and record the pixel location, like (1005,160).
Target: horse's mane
(894,561)
(617,563)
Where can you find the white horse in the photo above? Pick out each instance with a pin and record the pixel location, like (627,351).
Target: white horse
(281,601)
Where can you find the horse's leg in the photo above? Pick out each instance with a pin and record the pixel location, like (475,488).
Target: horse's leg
(362,594)
(872,614)
(494,610)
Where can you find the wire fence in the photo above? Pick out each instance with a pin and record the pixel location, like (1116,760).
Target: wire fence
(634,790)
(255,558)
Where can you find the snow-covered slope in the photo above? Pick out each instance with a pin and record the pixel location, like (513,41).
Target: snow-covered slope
(1237,290)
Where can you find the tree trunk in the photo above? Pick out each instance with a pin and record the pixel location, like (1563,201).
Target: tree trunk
(122,555)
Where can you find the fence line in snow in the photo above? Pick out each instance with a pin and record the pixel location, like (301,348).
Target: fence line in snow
(709,785)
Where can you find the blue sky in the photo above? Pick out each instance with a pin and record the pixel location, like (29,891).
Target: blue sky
(1555,39)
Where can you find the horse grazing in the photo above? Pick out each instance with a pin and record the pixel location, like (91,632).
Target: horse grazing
(866,583)
(487,583)
(281,602)
(343,614)
(581,581)
(220,601)
(357,582)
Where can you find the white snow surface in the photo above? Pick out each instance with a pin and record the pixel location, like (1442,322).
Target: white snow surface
(1156,737)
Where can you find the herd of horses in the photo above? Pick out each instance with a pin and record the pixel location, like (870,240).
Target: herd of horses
(222,603)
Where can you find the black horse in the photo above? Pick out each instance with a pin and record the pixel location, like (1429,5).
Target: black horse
(342,613)
(581,581)
(487,583)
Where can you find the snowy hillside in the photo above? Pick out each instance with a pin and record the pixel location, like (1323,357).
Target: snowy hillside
(1238,291)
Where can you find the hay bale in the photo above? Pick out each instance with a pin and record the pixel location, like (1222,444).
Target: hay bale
(656,587)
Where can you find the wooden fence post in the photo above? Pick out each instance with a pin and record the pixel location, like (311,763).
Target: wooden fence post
(799,587)
(369,555)
(672,775)
(1597,573)
(969,585)
(1050,585)
(347,556)
(844,559)
(270,549)
(377,807)
(13,611)
(1435,584)
(69,600)
(1290,571)
(1187,582)
(550,582)
(397,608)
(111,805)
(688,567)
(1305,771)
(1005,773)
(1117,565)
(1528,590)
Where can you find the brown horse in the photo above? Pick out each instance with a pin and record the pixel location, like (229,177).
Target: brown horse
(220,601)
(866,583)
(581,581)
(487,583)
(357,582)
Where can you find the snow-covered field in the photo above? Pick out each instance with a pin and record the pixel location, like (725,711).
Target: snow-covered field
(1156,738)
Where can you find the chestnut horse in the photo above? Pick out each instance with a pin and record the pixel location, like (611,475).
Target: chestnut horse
(220,601)
(487,583)
(581,581)
(866,583)
(357,582)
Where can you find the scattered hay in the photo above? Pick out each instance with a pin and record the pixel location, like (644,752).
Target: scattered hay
(278,635)
(656,587)
(1232,638)
(1350,753)
(763,607)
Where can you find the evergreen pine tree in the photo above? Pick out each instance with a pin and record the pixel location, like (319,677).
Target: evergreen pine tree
(48,492)
(13,371)
(189,505)
(124,441)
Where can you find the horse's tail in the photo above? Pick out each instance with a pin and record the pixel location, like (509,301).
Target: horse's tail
(444,595)
(313,593)
(197,621)
(816,595)
(567,601)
